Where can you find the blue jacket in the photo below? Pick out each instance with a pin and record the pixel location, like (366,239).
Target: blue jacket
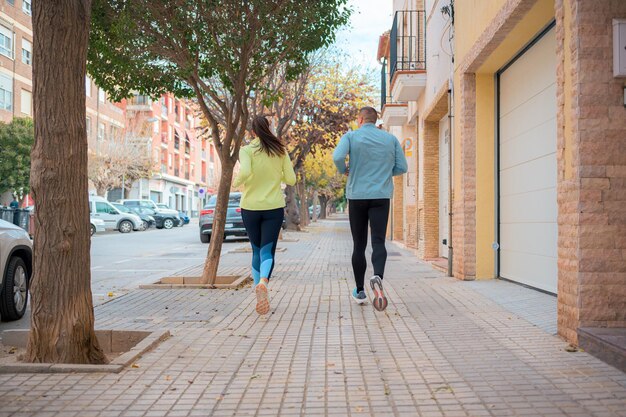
(375,157)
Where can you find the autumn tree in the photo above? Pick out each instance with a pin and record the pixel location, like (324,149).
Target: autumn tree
(62,318)
(119,161)
(220,52)
(323,181)
(329,106)
(16,142)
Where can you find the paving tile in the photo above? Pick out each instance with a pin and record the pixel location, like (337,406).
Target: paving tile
(442,348)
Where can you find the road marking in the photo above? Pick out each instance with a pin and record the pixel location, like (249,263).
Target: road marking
(96,267)
(122,261)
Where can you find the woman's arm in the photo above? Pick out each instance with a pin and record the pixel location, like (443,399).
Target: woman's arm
(245,168)
(289,176)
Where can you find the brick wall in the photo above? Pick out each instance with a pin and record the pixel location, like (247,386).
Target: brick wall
(464,204)
(398,207)
(591,168)
(429,246)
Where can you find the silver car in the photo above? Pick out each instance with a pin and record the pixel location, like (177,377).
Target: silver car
(234,222)
(16,260)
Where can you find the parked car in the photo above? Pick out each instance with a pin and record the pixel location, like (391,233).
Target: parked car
(159,219)
(16,260)
(97,225)
(146,220)
(234,222)
(184,217)
(318,210)
(170,217)
(100,208)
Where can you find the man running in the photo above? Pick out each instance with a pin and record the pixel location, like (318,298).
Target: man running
(375,157)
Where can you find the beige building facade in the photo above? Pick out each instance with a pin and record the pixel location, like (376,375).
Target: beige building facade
(520,149)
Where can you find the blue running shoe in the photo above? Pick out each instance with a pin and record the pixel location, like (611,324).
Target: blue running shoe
(359,297)
(379,301)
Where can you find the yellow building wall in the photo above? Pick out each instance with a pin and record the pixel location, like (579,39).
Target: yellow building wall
(472,18)
(485,172)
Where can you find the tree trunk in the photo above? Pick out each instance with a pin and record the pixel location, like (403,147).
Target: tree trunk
(62,320)
(293,213)
(314,200)
(304,206)
(101,190)
(323,206)
(209,274)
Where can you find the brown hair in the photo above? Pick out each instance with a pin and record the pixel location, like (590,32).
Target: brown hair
(369,114)
(270,144)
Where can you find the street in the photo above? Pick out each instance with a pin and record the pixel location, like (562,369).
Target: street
(122,262)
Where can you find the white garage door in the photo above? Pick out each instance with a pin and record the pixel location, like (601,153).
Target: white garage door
(528,171)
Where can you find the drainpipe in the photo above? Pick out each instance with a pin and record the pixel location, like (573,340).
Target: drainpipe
(450,148)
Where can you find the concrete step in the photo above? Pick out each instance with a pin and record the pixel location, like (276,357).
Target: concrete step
(606,344)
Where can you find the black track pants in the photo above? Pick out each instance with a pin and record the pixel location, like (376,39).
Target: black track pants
(374,213)
(263,228)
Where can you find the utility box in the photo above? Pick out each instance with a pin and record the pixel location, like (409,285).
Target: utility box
(619,47)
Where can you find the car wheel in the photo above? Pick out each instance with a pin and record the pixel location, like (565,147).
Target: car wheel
(14,295)
(168,223)
(144,225)
(181,223)
(93,230)
(205,238)
(126,226)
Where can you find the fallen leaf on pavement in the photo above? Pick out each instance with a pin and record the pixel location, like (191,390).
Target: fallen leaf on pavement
(111,294)
(134,365)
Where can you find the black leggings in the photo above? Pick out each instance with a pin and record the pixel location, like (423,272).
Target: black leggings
(376,213)
(263,227)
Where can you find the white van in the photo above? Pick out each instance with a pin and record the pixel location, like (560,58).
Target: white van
(100,208)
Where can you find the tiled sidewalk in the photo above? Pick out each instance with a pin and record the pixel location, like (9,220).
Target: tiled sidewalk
(442,348)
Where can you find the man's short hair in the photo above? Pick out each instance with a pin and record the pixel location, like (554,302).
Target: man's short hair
(369,114)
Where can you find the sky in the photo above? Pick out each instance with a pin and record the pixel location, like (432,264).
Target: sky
(369,20)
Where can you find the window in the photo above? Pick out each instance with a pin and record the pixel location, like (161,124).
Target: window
(26,7)
(27,52)
(6,93)
(6,42)
(88,124)
(26,102)
(104,208)
(101,131)
(114,133)
(88,86)
(169,160)
(102,96)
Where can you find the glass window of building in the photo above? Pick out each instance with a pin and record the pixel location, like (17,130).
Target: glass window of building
(27,7)
(6,92)
(27,52)
(102,96)
(88,124)
(88,86)
(6,41)
(101,131)
(26,102)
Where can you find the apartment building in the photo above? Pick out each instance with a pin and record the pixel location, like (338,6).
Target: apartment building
(187,165)
(16,42)
(415,107)
(527,129)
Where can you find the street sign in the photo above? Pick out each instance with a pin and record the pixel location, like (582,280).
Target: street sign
(201,191)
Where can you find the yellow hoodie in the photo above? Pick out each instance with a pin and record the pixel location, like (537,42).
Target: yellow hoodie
(261,176)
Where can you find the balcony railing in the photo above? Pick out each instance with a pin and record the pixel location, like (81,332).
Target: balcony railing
(407,43)
(383,85)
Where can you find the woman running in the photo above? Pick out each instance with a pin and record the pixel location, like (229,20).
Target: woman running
(264,165)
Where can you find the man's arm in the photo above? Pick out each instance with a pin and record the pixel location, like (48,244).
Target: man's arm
(400,165)
(340,153)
